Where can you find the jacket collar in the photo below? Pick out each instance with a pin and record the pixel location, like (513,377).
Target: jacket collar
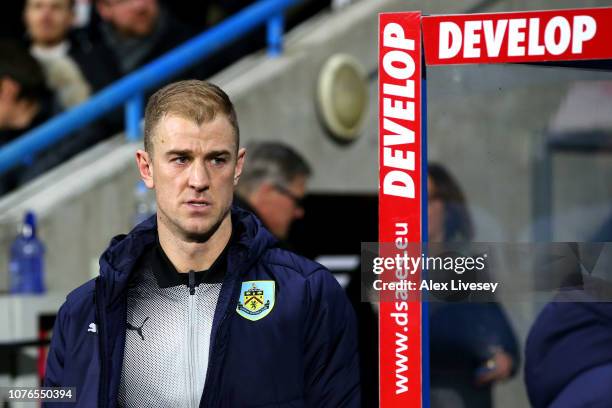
(167,276)
(120,259)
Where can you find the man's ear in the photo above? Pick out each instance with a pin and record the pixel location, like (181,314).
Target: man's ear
(239,164)
(145,167)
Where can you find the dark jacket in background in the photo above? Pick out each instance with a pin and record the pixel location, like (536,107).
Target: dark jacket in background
(304,353)
(463,336)
(568,355)
(465,330)
(367,325)
(96,61)
(172,34)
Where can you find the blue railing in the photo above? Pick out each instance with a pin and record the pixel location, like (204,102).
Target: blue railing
(130,89)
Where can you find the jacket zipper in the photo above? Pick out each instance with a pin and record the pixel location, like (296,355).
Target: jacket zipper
(102,397)
(191,346)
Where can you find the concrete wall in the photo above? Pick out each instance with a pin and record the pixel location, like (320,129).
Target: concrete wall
(276,101)
(81,205)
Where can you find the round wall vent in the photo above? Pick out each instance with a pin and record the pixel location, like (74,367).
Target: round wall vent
(342,97)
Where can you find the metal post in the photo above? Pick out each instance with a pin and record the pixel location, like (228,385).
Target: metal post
(275,28)
(425,369)
(133,116)
(542,191)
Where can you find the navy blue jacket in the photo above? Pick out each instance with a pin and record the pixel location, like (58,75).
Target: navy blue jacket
(568,356)
(303,354)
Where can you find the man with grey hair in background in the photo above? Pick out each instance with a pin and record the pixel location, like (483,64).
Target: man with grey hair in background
(273,185)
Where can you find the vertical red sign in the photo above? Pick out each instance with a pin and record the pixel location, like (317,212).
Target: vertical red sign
(399,192)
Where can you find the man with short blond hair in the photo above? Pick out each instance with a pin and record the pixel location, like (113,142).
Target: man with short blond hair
(191,100)
(197,306)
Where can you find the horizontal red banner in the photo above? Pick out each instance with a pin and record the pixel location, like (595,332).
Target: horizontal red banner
(555,35)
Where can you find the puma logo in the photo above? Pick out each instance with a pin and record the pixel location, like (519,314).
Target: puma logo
(138,329)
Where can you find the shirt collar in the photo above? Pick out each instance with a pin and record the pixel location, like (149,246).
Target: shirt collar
(56,51)
(167,276)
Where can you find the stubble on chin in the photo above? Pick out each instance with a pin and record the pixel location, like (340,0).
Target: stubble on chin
(189,235)
(200,237)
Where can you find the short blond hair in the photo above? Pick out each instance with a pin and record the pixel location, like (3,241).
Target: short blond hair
(195,100)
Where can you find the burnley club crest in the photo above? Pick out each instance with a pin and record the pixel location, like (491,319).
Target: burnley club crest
(256,300)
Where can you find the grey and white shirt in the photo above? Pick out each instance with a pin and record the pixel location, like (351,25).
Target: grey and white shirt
(169,322)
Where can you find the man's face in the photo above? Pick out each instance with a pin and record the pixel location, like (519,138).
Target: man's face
(131,18)
(279,206)
(193,170)
(48,21)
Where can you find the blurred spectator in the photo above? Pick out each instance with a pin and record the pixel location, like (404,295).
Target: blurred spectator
(48,23)
(208,14)
(273,184)
(472,344)
(139,31)
(26,102)
(49,29)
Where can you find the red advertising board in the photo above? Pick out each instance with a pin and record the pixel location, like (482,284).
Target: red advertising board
(555,35)
(399,90)
(516,37)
